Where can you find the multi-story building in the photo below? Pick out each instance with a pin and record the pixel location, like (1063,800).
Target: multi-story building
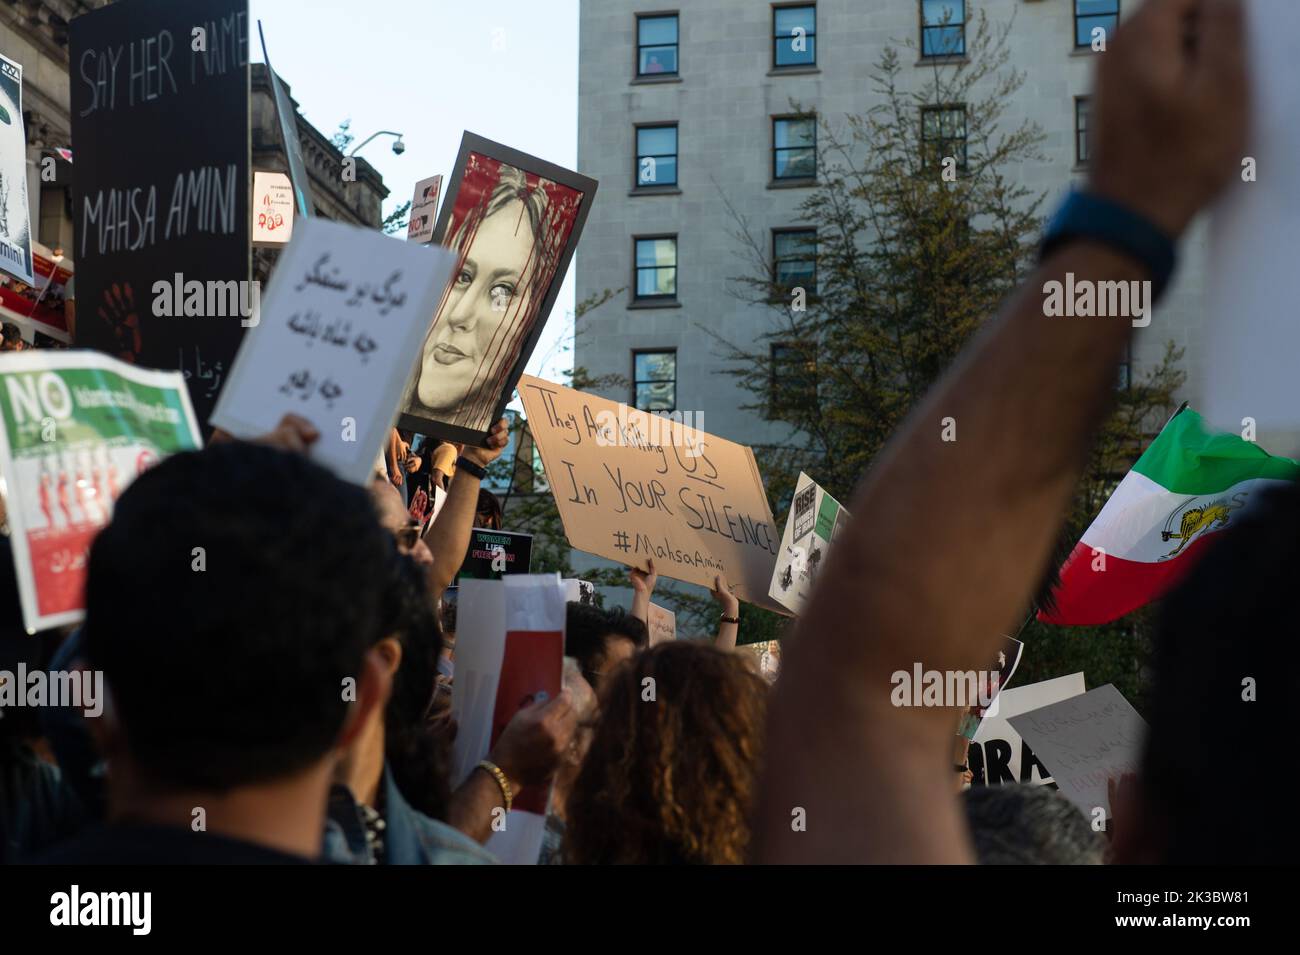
(686,118)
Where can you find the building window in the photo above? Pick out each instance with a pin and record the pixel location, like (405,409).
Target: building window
(656,155)
(794,35)
(656,45)
(794,148)
(943,134)
(793,381)
(794,259)
(1091,14)
(656,267)
(1081,107)
(654,380)
(943,28)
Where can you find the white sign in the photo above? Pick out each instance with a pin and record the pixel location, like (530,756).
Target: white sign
(997,753)
(814,520)
(424,210)
(272,208)
(509,654)
(662,624)
(1253,336)
(15,214)
(346,310)
(1084,742)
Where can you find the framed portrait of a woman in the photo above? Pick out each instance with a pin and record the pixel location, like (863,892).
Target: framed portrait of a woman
(513,221)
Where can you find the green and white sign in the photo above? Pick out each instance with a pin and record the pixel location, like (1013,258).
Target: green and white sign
(814,521)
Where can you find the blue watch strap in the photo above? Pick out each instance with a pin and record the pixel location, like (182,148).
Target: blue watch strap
(1085,216)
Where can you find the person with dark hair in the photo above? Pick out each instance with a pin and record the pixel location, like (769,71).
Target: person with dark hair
(11,338)
(1019,824)
(488,513)
(670,779)
(242,664)
(1223,632)
(601,639)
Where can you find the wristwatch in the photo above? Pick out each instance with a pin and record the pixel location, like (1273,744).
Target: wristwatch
(1086,216)
(469,467)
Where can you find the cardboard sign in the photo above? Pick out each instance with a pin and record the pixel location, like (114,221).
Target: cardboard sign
(333,340)
(633,487)
(814,520)
(662,624)
(272,208)
(493,554)
(1084,742)
(513,221)
(424,210)
(76,427)
(160,195)
(15,211)
(1251,264)
(997,753)
(509,654)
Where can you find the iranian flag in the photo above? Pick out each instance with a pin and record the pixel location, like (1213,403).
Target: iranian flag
(1188,485)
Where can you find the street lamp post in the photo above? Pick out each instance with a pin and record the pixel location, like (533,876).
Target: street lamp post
(399,147)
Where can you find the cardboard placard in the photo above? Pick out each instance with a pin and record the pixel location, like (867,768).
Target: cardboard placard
(814,521)
(76,427)
(633,487)
(333,340)
(160,195)
(662,624)
(997,753)
(1084,742)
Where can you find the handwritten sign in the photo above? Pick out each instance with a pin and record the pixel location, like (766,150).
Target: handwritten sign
(424,210)
(333,342)
(1085,741)
(997,753)
(814,520)
(634,487)
(15,212)
(662,624)
(160,195)
(272,208)
(76,427)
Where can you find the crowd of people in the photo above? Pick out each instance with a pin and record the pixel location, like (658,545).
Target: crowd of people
(293,698)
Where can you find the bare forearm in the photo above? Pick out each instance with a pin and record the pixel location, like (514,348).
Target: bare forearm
(948,539)
(448,536)
(727,634)
(471,806)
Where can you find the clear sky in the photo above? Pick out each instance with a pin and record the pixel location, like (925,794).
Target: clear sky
(431,69)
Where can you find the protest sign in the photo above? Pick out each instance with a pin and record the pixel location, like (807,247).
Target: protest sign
(493,554)
(272,208)
(662,624)
(632,487)
(424,209)
(76,428)
(1084,742)
(997,753)
(813,522)
(333,341)
(15,211)
(509,654)
(39,307)
(1251,265)
(577,590)
(160,196)
(513,221)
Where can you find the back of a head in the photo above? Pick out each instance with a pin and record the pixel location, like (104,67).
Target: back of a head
(671,772)
(587,626)
(1207,794)
(233,592)
(1019,824)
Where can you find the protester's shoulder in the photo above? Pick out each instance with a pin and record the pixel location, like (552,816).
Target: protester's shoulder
(447,845)
(159,845)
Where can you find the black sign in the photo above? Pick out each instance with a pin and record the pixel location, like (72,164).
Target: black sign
(492,554)
(160,129)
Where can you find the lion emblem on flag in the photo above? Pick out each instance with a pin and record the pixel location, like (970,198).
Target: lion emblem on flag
(1193,521)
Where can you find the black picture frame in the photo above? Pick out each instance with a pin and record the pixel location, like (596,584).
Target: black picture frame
(473,143)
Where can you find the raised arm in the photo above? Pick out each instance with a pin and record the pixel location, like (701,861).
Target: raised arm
(448,536)
(949,537)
